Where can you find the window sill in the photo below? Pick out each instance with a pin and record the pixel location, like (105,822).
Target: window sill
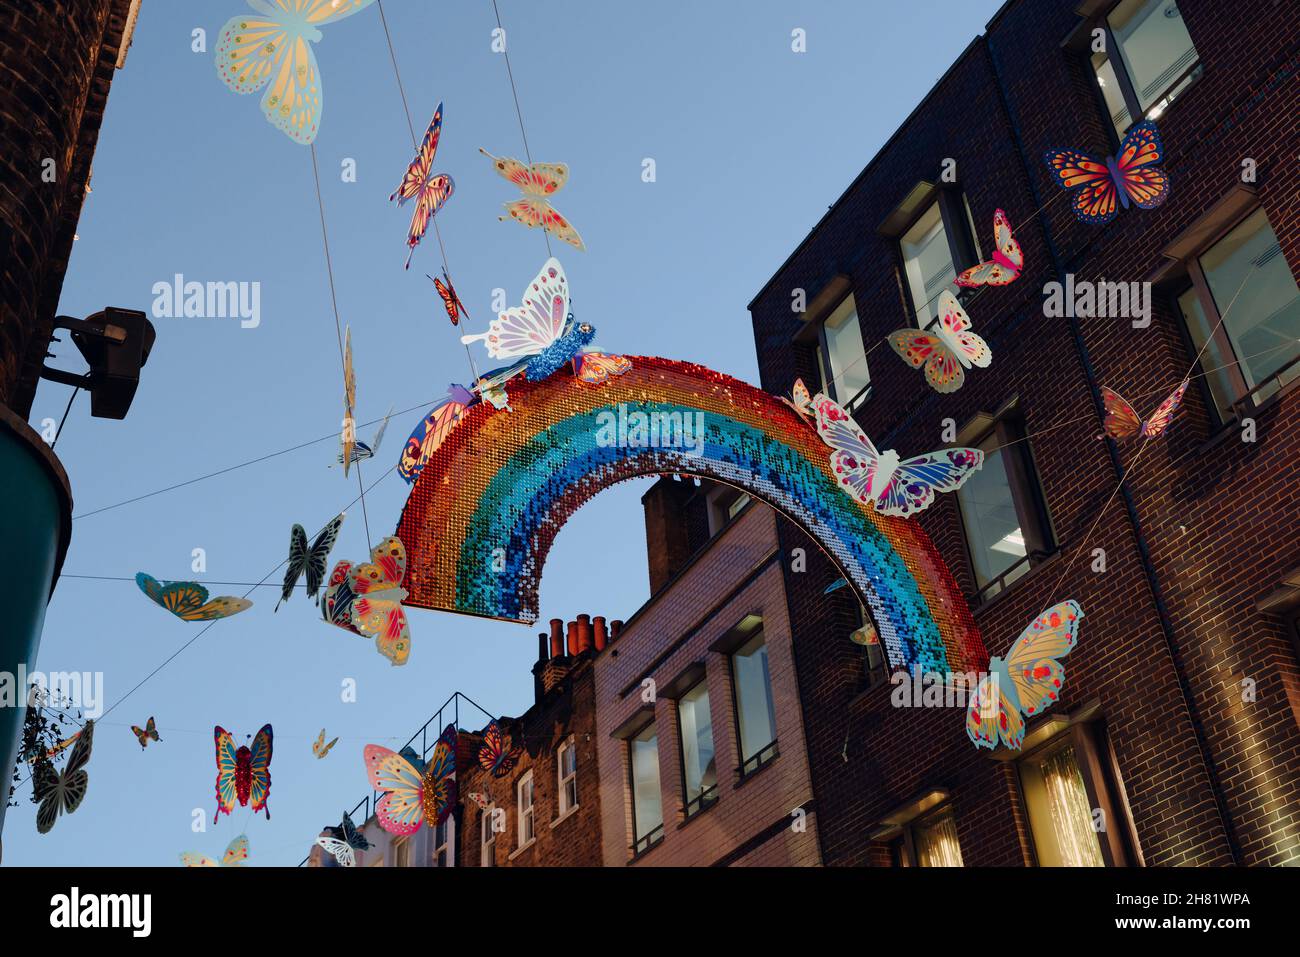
(699,813)
(977,606)
(521,848)
(742,776)
(638,855)
(564,817)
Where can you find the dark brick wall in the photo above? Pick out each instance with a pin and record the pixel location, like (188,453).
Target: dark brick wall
(569,709)
(1165,643)
(56,63)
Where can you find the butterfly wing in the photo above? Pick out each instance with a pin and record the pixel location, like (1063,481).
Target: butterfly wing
(259,767)
(530,328)
(315,558)
(341,850)
(337,601)
(920,348)
(247,52)
(321,12)
(236,852)
(916,480)
(401,810)
(1121,420)
(428,437)
(1160,419)
(227,764)
(597,367)
(1032,663)
(955,328)
(318,743)
(853,458)
(141,735)
(532,212)
(433,196)
(440,782)
(417,171)
(540,179)
(349,374)
(293,99)
(297,560)
(450,301)
(1006,264)
(1137,163)
(179,598)
(195,859)
(350,833)
(221,607)
(1096,200)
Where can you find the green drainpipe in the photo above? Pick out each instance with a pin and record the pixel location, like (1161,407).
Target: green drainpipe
(35,526)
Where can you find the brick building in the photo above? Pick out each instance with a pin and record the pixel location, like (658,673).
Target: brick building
(699,727)
(1177,729)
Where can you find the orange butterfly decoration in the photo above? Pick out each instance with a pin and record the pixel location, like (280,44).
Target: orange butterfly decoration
(429,189)
(450,301)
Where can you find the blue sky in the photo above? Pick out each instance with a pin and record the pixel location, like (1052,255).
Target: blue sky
(751,143)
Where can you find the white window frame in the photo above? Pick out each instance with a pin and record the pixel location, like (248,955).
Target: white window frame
(487,837)
(526,815)
(568,746)
(402,852)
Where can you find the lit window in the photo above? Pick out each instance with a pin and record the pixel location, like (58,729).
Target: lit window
(487,837)
(842,358)
(1245,302)
(699,769)
(524,805)
(402,852)
(566,763)
(1003,512)
(935,841)
(755,713)
(1060,813)
(927,260)
(1156,62)
(647,807)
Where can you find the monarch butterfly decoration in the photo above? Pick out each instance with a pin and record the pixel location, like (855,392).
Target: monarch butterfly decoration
(244,773)
(145,734)
(1103,187)
(597,367)
(189,601)
(61,792)
(450,301)
(496,756)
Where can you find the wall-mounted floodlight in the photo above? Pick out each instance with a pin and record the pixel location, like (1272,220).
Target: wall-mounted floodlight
(115,344)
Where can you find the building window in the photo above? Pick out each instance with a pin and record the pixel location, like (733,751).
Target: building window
(928,841)
(402,852)
(936,245)
(524,806)
(699,767)
(842,357)
(755,714)
(487,837)
(1004,512)
(566,765)
(442,853)
(725,503)
(1060,813)
(1156,60)
(647,806)
(1243,315)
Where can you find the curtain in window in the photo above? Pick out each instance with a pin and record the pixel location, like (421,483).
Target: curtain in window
(936,843)
(1071,815)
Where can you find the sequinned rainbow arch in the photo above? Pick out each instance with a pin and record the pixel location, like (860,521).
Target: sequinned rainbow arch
(484,512)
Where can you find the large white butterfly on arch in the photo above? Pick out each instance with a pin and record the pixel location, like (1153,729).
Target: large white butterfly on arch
(947,350)
(273,50)
(884,480)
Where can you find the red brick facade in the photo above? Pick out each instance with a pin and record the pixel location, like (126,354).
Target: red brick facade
(1205,526)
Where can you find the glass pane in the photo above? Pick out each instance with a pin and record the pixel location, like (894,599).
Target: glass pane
(928,263)
(755,713)
(1257,296)
(699,770)
(1213,358)
(936,842)
(1155,46)
(844,370)
(646,810)
(989,514)
(1111,93)
(1067,801)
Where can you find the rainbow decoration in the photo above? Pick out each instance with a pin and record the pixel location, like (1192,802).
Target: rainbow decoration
(483,514)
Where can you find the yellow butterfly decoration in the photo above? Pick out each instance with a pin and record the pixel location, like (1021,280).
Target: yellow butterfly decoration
(320,748)
(189,600)
(538,182)
(236,854)
(801,401)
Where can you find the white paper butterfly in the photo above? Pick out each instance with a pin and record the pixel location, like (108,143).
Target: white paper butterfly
(946,351)
(539,322)
(882,479)
(236,854)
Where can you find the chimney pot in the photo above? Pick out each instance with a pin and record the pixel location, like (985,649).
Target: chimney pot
(557,638)
(601,637)
(584,634)
(543,646)
(573,637)
(615,628)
